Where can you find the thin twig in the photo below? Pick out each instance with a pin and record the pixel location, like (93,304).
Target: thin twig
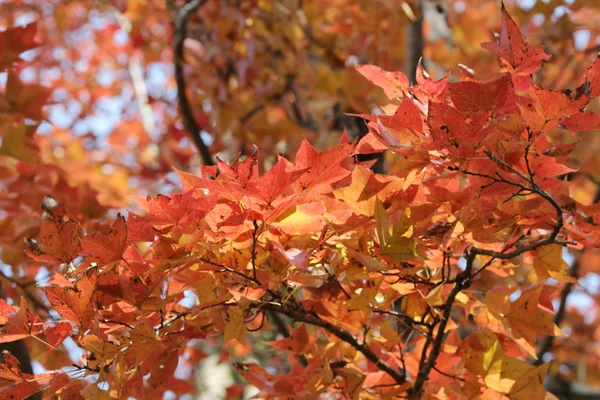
(229,269)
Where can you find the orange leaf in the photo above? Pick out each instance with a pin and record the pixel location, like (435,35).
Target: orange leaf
(106,247)
(394,84)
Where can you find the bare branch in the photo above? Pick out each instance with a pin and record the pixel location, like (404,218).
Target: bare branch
(414,44)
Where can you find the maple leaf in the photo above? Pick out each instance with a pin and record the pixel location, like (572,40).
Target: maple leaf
(370,144)
(106,247)
(277,180)
(353,381)
(527,319)
(484,355)
(494,96)
(164,214)
(295,343)
(365,188)
(426,89)
(20,323)
(394,84)
(395,241)
(18,143)
(26,99)
(585,121)
(524,59)
(58,332)
(59,237)
(74,303)
(592,78)
(102,352)
(236,326)
(323,168)
(13,383)
(549,263)
(14,41)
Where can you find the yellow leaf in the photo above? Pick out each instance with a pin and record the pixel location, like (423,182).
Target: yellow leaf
(354,381)
(236,327)
(530,385)
(484,356)
(17,143)
(434,297)
(366,189)
(527,320)
(93,392)
(304,218)
(363,300)
(394,242)
(549,263)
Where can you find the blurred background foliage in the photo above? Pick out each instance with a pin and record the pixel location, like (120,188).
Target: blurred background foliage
(258,72)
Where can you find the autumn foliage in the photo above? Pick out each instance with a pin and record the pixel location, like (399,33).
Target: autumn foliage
(441,279)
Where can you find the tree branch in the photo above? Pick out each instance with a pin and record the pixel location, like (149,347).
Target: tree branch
(465,278)
(414,43)
(546,345)
(463,281)
(301,315)
(189,121)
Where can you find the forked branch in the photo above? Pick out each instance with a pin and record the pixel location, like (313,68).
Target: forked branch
(299,314)
(464,279)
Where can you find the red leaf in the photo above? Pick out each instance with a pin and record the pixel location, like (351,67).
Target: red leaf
(14,384)
(15,41)
(586,121)
(492,96)
(406,118)
(20,325)
(592,75)
(426,88)
(370,144)
(57,333)
(523,58)
(181,211)
(276,180)
(325,167)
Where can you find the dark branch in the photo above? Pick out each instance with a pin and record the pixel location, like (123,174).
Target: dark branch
(298,314)
(414,44)
(228,269)
(463,281)
(189,121)
(465,278)
(546,345)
